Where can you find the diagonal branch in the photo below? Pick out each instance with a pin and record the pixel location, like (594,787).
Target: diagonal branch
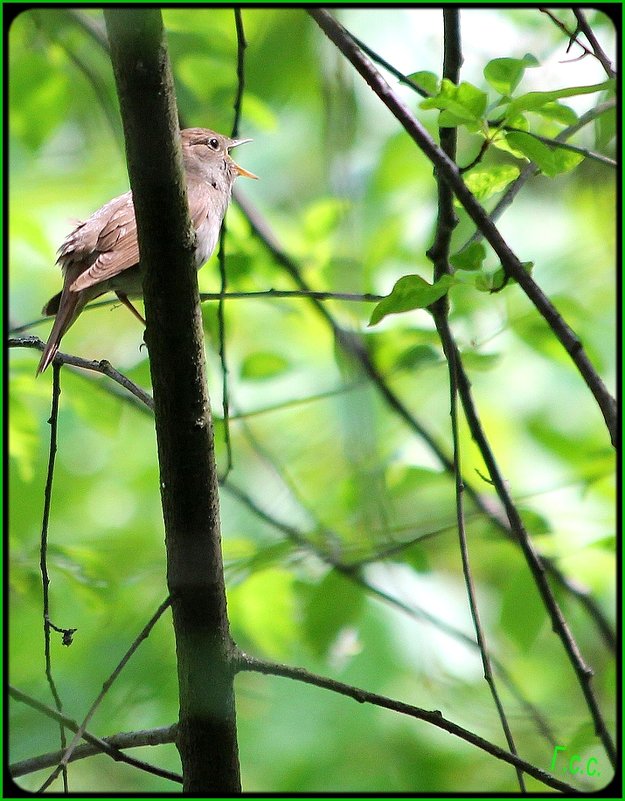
(448,170)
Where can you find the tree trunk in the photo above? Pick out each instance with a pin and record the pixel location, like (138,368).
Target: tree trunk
(207,726)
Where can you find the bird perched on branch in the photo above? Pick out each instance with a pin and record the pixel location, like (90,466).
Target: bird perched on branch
(102,254)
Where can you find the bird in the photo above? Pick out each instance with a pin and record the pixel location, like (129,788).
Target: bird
(101,254)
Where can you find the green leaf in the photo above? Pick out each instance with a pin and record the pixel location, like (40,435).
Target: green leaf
(558,112)
(505,74)
(411,292)
(551,160)
(488,180)
(532,101)
(427,81)
(605,128)
(458,104)
(262,365)
(470,258)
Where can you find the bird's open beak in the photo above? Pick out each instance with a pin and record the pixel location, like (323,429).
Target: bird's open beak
(240,170)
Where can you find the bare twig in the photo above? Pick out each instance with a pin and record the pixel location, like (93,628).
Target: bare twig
(582,24)
(535,564)
(105,745)
(450,173)
(435,718)
(241,45)
(102,366)
(43,559)
(145,632)
(116,742)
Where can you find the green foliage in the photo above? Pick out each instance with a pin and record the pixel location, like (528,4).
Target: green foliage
(411,292)
(505,74)
(328,467)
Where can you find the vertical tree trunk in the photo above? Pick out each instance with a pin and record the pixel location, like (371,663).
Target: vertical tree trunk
(207,727)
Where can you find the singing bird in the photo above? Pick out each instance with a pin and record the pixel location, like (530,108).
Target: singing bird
(102,254)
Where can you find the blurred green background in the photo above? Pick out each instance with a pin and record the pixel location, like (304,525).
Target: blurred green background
(353,202)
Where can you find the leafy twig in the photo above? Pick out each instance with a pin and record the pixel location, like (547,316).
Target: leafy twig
(554,143)
(439,253)
(449,172)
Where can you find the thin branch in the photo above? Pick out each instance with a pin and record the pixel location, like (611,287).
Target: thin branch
(534,562)
(93,79)
(221,325)
(450,173)
(145,632)
(597,50)
(116,742)
(439,254)
(435,718)
(43,554)
(104,745)
(554,144)
(241,45)
(388,66)
(102,366)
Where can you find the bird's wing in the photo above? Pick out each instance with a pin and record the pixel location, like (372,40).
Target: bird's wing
(107,242)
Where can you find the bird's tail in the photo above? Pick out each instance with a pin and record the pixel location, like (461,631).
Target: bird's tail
(67,309)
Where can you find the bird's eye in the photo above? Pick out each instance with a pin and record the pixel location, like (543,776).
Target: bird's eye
(214,143)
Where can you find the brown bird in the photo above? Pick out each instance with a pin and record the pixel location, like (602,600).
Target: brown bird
(102,254)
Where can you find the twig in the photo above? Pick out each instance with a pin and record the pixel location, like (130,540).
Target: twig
(598,51)
(388,66)
(105,745)
(116,742)
(449,172)
(102,366)
(93,79)
(350,297)
(221,324)
(43,555)
(241,45)
(554,143)
(145,632)
(531,169)
(559,624)
(435,718)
